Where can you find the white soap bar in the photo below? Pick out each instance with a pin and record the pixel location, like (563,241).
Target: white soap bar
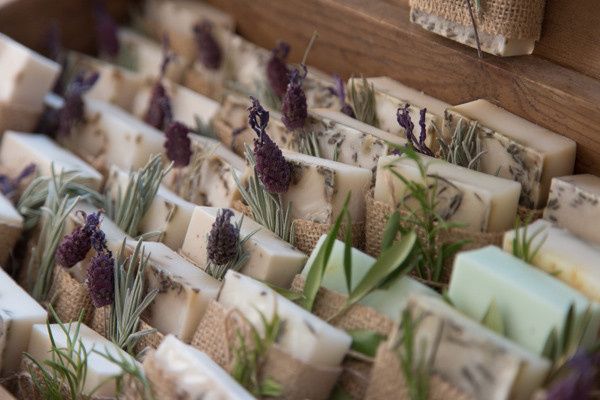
(479,202)
(184,291)
(531,303)
(305,336)
(270,259)
(18,313)
(563,255)
(195,374)
(516,148)
(22,149)
(573,203)
(26,75)
(319,188)
(99,369)
(118,137)
(472,357)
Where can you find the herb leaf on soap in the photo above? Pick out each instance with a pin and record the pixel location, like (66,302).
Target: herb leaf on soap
(523,243)
(129,367)
(465,148)
(362,100)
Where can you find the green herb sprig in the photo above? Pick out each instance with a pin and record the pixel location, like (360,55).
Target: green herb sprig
(204,129)
(129,367)
(416,368)
(493,319)
(522,243)
(363,102)
(465,148)
(308,143)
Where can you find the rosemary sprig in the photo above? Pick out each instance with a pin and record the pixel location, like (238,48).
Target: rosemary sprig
(127,209)
(415,368)
(308,143)
(522,243)
(464,149)
(363,102)
(130,368)
(267,209)
(130,302)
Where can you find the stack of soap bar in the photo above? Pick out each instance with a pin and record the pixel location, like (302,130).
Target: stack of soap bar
(531,303)
(145,56)
(574,204)
(390,95)
(18,313)
(563,255)
(22,149)
(516,148)
(479,202)
(100,371)
(270,259)
(184,291)
(114,136)
(209,178)
(195,374)
(319,188)
(472,357)
(389,301)
(305,337)
(11,226)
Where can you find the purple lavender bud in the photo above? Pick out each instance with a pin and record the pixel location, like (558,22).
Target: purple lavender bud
(159,114)
(168,56)
(178,144)
(340,91)
(404,120)
(209,51)
(222,239)
(107,38)
(278,73)
(73,248)
(54,42)
(73,109)
(100,279)
(294,109)
(9,186)
(579,383)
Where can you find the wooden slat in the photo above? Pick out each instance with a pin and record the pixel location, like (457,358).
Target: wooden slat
(375,38)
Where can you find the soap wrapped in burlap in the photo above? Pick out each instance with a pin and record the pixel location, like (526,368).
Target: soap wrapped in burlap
(216,336)
(69,297)
(355,372)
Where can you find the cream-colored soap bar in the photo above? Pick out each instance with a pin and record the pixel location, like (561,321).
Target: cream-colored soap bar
(145,56)
(574,204)
(195,374)
(11,226)
(100,371)
(270,259)
(114,137)
(184,291)
(22,149)
(319,188)
(562,254)
(18,313)
(479,202)
(209,178)
(305,337)
(26,75)
(475,359)
(516,148)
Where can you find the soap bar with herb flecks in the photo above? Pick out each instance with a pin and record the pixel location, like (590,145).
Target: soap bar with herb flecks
(270,259)
(516,149)
(304,336)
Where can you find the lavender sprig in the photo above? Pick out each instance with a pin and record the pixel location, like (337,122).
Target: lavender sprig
(107,38)
(405,121)
(178,145)
(209,50)
(278,73)
(73,110)
(294,109)
(9,186)
(75,246)
(160,113)
(339,90)
(100,279)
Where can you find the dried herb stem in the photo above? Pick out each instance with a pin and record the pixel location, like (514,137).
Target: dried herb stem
(363,102)
(464,149)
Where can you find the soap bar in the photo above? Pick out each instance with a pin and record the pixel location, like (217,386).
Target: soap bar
(184,291)
(11,226)
(270,259)
(305,336)
(209,178)
(195,374)
(26,75)
(22,149)
(99,369)
(389,301)
(573,203)
(472,357)
(318,90)
(390,95)
(479,202)
(516,148)
(115,136)
(563,255)
(18,313)
(319,188)
(145,56)
(531,302)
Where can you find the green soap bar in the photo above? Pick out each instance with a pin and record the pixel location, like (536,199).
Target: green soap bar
(531,302)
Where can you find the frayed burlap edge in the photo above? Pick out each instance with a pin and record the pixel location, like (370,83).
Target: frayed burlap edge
(216,333)
(388,382)
(70,297)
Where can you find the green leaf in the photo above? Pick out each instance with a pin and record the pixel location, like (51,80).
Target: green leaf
(270,388)
(366,342)
(348,253)
(391,230)
(287,293)
(493,319)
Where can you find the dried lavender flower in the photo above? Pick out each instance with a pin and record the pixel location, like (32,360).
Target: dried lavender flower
(160,113)
(209,50)
(294,109)
(272,168)
(178,144)
(404,120)
(75,246)
(100,279)
(106,27)
(339,90)
(278,73)
(73,109)
(222,239)
(9,186)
